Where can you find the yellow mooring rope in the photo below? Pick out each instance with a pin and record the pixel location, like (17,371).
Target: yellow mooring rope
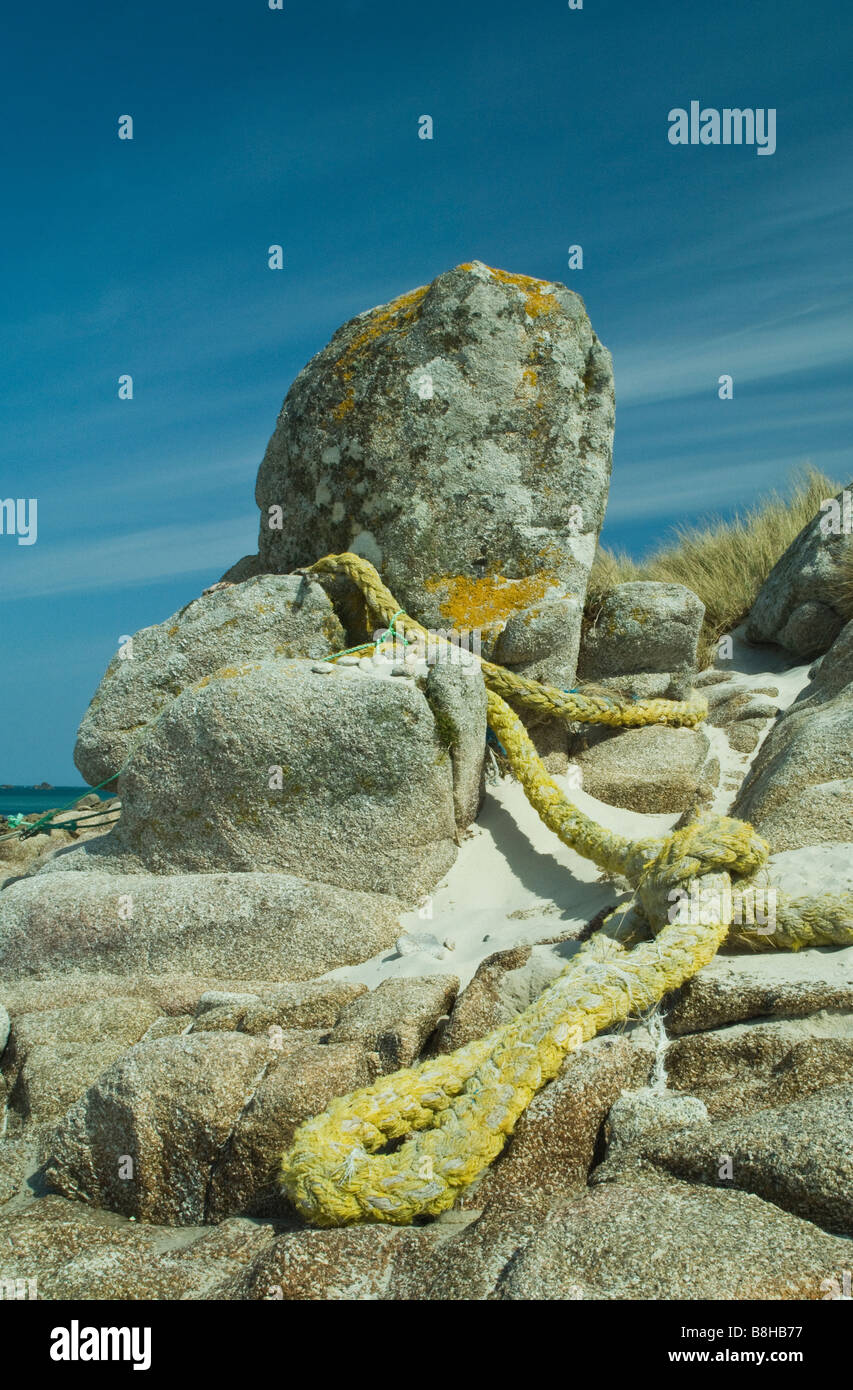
(458,1110)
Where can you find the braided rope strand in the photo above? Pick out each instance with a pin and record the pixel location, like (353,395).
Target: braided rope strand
(456,1112)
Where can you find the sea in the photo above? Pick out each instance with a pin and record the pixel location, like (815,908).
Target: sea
(18,801)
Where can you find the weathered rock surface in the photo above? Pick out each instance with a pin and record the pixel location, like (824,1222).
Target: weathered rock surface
(643,1240)
(353,1264)
(144,1139)
(73,1252)
(269,616)
(734,988)
(456,693)
(305,1076)
(800,1156)
(643,626)
(314,1004)
(642,1116)
(797,606)
(174,994)
(755,1066)
(531,636)
(252,925)
(275,768)
(799,790)
(57,1053)
(460,438)
(396,1019)
(652,769)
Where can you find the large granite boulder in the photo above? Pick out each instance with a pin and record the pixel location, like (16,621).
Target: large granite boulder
(797,1156)
(460,438)
(240,926)
(271,616)
(652,768)
(145,1136)
(338,775)
(798,605)
(643,626)
(799,790)
(57,1053)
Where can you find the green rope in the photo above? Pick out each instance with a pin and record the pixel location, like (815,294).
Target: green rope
(33,827)
(364,646)
(389,631)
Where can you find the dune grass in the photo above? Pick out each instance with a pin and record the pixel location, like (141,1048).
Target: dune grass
(843,587)
(724,562)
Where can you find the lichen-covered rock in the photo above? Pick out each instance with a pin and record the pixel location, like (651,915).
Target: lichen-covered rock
(652,769)
(643,626)
(799,790)
(273,767)
(58,1053)
(735,988)
(145,1137)
(249,926)
(268,616)
(798,605)
(799,1156)
(460,438)
(645,1240)
(396,1019)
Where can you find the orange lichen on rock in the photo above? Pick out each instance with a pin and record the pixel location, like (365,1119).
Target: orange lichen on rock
(487,601)
(345,406)
(389,318)
(537,300)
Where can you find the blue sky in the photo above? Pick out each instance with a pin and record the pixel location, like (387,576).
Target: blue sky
(299,127)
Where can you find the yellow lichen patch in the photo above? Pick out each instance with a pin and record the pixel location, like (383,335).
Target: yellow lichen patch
(530,377)
(537,300)
(399,314)
(224,673)
(484,602)
(173,630)
(345,406)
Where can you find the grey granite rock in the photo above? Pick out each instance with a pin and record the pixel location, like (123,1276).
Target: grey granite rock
(459,437)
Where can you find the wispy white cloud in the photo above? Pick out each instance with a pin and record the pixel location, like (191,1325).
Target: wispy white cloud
(132,560)
(663,371)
